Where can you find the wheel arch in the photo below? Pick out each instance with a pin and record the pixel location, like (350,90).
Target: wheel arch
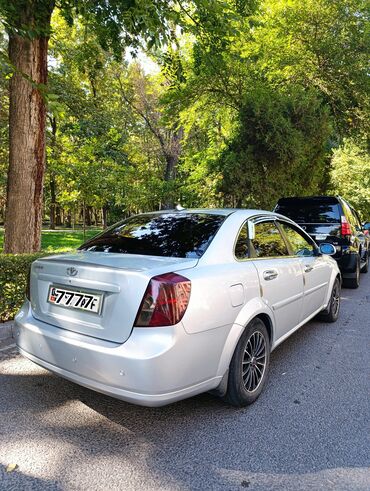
(266,319)
(254,309)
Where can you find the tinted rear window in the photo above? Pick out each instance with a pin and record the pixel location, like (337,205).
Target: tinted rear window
(167,234)
(309,210)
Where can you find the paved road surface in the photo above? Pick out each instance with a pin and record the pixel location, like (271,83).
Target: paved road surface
(308,430)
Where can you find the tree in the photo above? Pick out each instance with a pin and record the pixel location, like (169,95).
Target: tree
(4,112)
(319,44)
(281,139)
(28,26)
(350,175)
(294,79)
(117,24)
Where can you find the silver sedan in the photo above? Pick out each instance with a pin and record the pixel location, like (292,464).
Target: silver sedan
(166,305)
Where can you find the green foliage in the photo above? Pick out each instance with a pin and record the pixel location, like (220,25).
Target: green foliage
(279,148)
(14,270)
(249,99)
(350,175)
(14,267)
(320,44)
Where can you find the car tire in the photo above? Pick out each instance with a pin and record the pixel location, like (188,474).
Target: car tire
(332,312)
(249,365)
(365,267)
(354,282)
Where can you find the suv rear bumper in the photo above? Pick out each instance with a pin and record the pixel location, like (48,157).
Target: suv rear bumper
(154,367)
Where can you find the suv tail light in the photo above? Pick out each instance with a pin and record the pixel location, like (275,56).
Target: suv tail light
(345,226)
(165,301)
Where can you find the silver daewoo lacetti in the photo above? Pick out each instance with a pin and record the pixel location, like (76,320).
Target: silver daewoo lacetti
(166,305)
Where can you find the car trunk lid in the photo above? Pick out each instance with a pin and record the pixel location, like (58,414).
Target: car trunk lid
(121,280)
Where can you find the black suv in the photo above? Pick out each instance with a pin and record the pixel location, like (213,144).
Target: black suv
(332,219)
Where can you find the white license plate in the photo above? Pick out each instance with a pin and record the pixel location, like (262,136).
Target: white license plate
(74,299)
(321,237)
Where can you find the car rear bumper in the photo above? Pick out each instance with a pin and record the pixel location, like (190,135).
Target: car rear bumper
(154,367)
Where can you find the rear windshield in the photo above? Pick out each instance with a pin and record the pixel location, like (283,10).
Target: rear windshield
(167,234)
(309,210)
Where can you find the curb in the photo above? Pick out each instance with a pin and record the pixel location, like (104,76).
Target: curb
(6,330)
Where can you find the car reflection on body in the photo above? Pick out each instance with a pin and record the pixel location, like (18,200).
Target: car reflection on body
(166,305)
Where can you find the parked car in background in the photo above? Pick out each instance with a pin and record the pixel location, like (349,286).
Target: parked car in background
(332,219)
(166,305)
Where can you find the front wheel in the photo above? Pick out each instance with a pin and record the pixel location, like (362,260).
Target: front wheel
(332,314)
(249,365)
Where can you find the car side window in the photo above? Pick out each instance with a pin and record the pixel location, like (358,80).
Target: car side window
(241,246)
(268,241)
(298,243)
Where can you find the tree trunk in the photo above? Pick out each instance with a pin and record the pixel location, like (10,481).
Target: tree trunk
(104,216)
(88,213)
(68,219)
(84,219)
(58,216)
(96,217)
(26,144)
(52,201)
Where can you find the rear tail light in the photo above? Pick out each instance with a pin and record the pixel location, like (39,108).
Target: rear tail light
(345,227)
(165,301)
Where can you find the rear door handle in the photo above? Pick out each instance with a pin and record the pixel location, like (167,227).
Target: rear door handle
(308,268)
(270,274)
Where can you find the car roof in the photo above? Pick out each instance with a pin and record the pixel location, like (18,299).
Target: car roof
(327,199)
(213,211)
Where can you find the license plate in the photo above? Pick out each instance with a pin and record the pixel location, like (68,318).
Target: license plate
(75,299)
(321,237)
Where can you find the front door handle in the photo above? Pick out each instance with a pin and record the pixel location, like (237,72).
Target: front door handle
(270,274)
(308,268)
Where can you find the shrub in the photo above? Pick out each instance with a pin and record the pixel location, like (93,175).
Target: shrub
(13,282)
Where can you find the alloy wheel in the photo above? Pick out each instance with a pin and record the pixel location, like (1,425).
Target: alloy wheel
(254,361)
(335,299)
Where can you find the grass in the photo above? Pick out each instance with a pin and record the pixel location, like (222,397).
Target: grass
(61,240)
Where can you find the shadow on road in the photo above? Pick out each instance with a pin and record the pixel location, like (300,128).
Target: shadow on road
(305,422)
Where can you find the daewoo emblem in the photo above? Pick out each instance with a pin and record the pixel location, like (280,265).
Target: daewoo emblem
(72,271)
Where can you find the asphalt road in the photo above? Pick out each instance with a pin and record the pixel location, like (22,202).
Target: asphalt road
(309,429)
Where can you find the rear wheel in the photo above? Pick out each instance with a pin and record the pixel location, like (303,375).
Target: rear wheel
(354,282)
(332,313)
(249,365)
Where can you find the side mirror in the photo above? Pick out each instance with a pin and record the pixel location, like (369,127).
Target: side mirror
(251,231)
(327,249)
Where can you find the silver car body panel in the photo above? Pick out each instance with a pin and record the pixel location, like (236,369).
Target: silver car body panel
(122,278)
(156,366)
